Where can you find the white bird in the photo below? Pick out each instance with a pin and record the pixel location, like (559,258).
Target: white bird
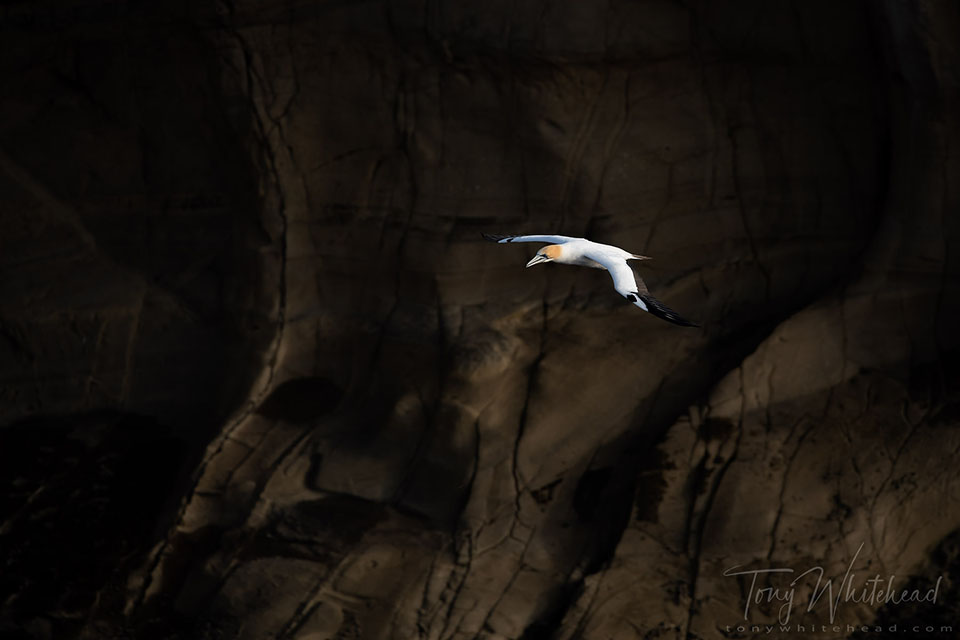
(586,253)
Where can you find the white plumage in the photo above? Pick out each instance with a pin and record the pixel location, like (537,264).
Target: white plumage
(586,253)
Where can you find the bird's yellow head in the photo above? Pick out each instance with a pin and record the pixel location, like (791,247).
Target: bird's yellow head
(546,254)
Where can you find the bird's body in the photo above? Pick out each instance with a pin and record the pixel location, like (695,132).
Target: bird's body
(586,253)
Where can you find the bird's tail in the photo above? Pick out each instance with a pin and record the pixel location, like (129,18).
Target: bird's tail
(661,310)
(634,256)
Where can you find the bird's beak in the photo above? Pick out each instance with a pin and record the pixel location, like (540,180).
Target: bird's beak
(537,259)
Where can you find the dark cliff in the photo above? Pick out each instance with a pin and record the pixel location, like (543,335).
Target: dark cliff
(262,378)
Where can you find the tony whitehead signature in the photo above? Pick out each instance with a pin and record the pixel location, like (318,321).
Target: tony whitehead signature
(873,591)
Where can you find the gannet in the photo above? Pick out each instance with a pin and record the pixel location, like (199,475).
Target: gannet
(586,253)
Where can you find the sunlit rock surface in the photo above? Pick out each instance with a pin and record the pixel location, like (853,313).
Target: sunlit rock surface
(250,328)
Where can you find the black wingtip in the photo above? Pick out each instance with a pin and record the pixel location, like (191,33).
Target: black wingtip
(664,312)
(493,237)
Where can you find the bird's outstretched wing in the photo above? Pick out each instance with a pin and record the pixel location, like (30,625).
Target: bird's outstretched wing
(625,279)
(551,239)
(661,310)
(630,285)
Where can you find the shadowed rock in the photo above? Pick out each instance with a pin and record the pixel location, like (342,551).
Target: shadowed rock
(260,224)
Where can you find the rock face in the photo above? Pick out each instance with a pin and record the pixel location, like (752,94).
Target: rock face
(276,385)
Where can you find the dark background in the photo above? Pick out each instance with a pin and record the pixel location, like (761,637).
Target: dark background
(260,377)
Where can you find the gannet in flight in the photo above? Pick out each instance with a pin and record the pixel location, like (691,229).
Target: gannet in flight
(585,253)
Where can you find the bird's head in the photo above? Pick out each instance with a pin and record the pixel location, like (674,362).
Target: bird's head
(548,253)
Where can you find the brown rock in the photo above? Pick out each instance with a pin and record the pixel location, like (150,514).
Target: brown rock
(258,224)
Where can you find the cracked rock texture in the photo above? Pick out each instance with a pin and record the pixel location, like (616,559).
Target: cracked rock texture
(261,378)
